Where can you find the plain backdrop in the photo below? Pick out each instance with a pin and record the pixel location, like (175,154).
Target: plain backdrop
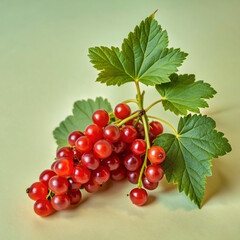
(44,68)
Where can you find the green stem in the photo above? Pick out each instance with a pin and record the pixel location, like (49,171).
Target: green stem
(127,119)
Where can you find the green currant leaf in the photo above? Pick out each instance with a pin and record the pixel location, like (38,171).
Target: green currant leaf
(81,118)
(144,56)
(183,94)
(189,155)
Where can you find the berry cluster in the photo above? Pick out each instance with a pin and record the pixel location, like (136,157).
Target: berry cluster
(104,151)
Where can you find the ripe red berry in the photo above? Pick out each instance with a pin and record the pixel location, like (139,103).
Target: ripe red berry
(128,134)
(112,133)
(73,186)
(53,165)
(100,117)
(138,146)
(65,152)
(60,202)
(111,162)
(90,161)
(83,144)
(45,176)
(77,154)
(81,174)
(156,128)
(74,196)
(138,196)
(122,111)
(37,191)
(156,154)
(102,148)
(58,185)
(73,136)
(91,186)
(118,174)
(101,175)
(119,146)
(154,173)
(149,185)
(132,162)
(43,207)
(133,176)
(94,132)
(63,167)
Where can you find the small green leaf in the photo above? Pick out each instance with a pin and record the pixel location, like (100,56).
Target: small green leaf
(144,56)
(81,118)
(189,155)
(183,94)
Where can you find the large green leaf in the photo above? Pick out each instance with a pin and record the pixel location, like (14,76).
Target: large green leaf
(144,56)
(183,94)
(189,155)
(82,116)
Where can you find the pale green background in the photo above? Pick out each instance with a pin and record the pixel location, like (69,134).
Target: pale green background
(44,68)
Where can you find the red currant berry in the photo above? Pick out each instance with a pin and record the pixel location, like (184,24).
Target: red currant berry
(132,162)
(73,136)
(122,111)
(77,154)
(138,146)
(45,176)
(65,152)
(73,186)
(100,117)
(154,173)
(60,202)
(128,134)
(74,196)
(156,154)
(91,186)
(94,132)
(149,185)
(140,131)
(138,196)
(37,191)
(103,149)
(118,174)
(156,128)
(133,176)
(63,167)
(119,146)
(53,165)
(90,161)
(43,207)
(111,162)
(101,175)
(58,185)
(112,133)
(81,174)
(83,144)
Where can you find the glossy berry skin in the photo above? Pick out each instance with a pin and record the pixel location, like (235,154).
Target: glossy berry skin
(94,132)
(43,207)
(118,174)
(100,117)
(58,185)
(154,173)
(102,148)
(63,167)
(90,161)
(138,147)
(53,165)
(112,133)
(37,191)
(111,162)
(138,196)
(122,111)
(149,185)
(91,186)
(101,175)
(83,144)
(65,152)
(73,136)
(77,154)
(74,196)
(156,155)
(119,146)
(133,176)
(60,202)
(132,162)
(73,186)
(128,134)
(156,128)
(81,174)
(45,176)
